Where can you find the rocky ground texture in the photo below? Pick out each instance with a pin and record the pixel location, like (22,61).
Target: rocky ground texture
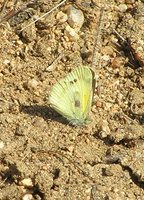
(42,157)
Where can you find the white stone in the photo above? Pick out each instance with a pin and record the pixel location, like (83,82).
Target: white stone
(122,7)
(75,18)
(27,197)
(27,182)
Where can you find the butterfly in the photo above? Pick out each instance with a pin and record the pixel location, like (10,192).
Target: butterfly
(72,96)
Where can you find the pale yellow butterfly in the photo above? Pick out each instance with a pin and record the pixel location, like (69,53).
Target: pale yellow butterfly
(72,96)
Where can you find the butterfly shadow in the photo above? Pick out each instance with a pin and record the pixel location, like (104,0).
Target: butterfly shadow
(45,112)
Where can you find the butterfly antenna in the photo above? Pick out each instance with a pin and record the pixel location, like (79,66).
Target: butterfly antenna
(71,126)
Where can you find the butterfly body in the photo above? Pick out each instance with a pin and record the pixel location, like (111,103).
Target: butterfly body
(72,96)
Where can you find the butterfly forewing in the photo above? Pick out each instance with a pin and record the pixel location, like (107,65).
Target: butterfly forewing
(85,78)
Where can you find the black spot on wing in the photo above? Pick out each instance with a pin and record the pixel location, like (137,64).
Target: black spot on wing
(74,81)
(77,103)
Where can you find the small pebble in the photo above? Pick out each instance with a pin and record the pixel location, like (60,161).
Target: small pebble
(39,122)
(99,104)
(29,34)
(1,110)
(31,84)
(6,62)
(27,197)
(85,53)
(107,172)
(75,18)
(107,50)
(104,127)
(71,34)
(122,7)
(19,42)
(1,75)
(1,144)
(108,106)
(61,17)
(71,148)
(20,130)
(102,134)
(105,58)
(27,182)
(117,62)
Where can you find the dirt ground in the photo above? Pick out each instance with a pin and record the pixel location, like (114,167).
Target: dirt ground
(42,157)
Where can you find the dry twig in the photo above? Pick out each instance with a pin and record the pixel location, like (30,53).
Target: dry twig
(44,14)
(14,11)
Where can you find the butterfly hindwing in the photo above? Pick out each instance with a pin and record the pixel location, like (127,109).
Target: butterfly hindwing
(61,98)
(72,96)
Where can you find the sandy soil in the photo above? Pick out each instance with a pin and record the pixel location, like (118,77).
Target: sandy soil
(42,157)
